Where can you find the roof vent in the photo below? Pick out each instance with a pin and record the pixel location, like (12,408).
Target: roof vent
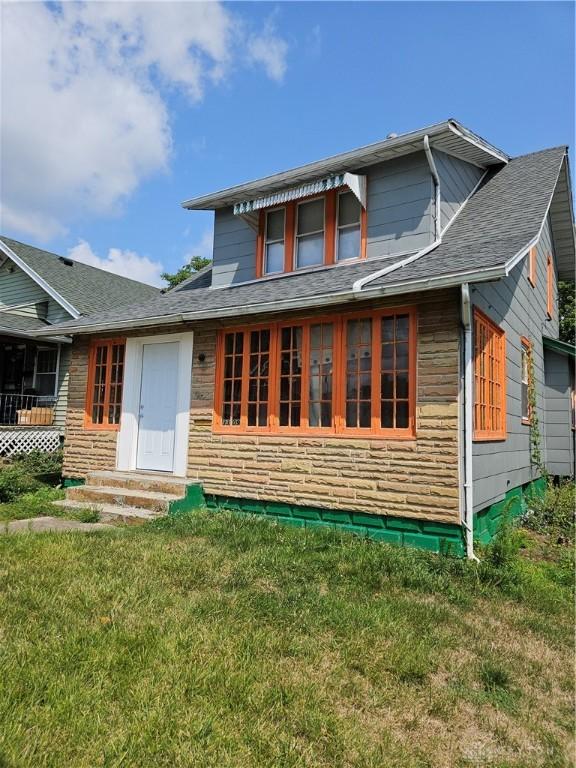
(64,260)
(392,136)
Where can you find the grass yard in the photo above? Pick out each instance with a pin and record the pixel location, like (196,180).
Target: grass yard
(214,640)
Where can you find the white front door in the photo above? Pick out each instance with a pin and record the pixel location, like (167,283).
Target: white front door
(158,407)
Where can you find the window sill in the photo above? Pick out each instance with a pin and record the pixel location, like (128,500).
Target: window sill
(493,437)
(88,427)
(526,422)
(321,434)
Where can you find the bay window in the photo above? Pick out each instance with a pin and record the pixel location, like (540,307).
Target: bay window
(352,375)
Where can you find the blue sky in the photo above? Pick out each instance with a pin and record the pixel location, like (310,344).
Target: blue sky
(281,84)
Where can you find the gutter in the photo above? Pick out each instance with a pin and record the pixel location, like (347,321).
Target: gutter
(468,517)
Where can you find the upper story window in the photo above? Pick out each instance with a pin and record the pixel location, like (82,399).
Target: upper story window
(311,233)
(549,286)
(274,245)
(351,375)
(349,226)
(489,379)
(532,265)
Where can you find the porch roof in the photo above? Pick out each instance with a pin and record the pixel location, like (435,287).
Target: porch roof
(490,235)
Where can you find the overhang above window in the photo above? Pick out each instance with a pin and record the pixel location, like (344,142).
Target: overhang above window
(249,209)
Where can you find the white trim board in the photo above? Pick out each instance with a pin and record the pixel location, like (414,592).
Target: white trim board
(127,444)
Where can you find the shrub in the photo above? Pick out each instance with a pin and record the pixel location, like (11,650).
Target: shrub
(15,480)
(40,462)
(500,560)
(553,512)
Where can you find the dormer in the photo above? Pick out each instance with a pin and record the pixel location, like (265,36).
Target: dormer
(384,200)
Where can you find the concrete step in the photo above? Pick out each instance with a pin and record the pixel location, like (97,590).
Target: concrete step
(153,501)
(111,513)
(144,481)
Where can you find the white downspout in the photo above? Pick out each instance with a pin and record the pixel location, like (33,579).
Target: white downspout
(359,284)
(468,520)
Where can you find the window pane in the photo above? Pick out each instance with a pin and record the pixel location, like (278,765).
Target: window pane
(290,376)
(321,373)
(395,374)
(232,384)
(310,251)
(349,243)
(274,258)
(359,367)
(275,225)
(311,216)
(258,371)
(348,209)
(46,360)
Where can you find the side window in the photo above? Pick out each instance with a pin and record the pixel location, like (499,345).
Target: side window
(349,222)
(105,382)
(525,373)
(489,379)
(274,242)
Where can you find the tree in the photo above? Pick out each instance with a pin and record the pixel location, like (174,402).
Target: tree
(567,311)
(195,264)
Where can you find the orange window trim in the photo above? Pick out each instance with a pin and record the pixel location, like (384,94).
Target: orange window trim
(549,286)
(532,264)
(527,345)
(88,403)
(330,230)
(490,404)
(338,427)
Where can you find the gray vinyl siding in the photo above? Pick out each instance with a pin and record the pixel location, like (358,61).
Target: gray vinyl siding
(518,308)
(17,288)
(400,206)
(558,432)
(400,219)
(457,180)
(234,259)
(62,390)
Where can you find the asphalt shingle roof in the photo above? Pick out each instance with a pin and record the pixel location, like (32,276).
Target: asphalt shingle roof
(497,222)
(87,288)
(20,322)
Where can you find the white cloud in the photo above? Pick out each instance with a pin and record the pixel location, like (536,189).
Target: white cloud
(84,85)
(269,50)
(120,262)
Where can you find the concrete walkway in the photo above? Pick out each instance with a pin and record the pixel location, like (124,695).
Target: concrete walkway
(40,524)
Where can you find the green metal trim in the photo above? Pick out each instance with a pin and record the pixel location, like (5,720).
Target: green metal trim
(432,536)
(559,346)
(72,482)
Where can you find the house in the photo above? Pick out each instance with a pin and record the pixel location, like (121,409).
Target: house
(375,346)
(37,291)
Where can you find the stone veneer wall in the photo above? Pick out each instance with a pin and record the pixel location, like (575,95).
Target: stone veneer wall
(409,478)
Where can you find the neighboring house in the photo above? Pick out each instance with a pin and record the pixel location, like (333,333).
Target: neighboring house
(373,347)
(37,290)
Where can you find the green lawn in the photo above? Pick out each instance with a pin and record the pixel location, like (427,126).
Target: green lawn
(221,641)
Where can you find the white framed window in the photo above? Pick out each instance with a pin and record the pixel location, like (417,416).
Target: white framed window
(46,371)
(348,227)
(274,241)
(310,233)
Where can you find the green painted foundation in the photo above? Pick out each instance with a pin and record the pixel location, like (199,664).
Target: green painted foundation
(72,482)
(514,503)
